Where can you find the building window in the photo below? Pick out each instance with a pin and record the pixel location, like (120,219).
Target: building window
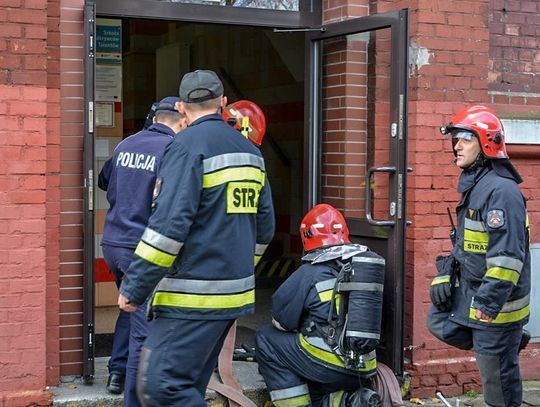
(522,131)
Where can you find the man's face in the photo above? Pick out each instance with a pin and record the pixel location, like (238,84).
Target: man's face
(467,148)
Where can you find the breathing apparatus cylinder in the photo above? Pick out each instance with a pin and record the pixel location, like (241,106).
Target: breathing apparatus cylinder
(364,284)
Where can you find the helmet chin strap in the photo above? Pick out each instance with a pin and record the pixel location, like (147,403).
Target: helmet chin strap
(480,161)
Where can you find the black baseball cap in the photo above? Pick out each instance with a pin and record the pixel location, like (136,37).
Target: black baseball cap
(199,86)
(168,103)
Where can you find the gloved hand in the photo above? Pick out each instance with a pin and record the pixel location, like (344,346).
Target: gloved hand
(441,285)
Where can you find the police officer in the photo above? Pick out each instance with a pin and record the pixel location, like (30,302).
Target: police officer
(213,216)
(129,176)
(481,293)
(299,356)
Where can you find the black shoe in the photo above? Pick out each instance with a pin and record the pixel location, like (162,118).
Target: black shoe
(525,338)
(115,383)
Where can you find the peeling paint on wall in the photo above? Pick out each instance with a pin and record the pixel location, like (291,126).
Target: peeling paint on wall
(418,57)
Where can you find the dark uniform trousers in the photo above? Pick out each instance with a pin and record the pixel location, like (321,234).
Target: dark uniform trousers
(283,366)
(130,331)
(177,361)
(496,353)
(118,259)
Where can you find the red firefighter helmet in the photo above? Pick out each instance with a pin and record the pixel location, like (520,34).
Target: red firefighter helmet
(485,125)
(323,226)
(248,118)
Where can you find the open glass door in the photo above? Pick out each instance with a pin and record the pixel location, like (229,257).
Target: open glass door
(357,143)
(88,193)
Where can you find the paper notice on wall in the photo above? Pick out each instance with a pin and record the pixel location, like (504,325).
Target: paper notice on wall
(101,147)
(105,114)
(108,83)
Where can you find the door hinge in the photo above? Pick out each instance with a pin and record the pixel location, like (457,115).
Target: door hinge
(90,186)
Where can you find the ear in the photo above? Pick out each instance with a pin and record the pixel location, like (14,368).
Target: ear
(223,102)
(180,107)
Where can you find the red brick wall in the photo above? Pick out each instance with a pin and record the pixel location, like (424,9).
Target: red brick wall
(71,181)
(28,122)
(451,59)
(53,191)
(514,46)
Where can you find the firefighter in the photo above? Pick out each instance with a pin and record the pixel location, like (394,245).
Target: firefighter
(213,217)
(481,292)
(129,176)
(301,355)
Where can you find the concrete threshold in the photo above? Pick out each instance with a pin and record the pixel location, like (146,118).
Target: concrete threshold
(72,392)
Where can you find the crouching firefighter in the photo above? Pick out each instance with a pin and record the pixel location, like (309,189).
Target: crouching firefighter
(326,320)
(481,292)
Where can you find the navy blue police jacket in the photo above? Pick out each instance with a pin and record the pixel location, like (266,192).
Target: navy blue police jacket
(492,249)
(307,296)
(129,176)
(212,220)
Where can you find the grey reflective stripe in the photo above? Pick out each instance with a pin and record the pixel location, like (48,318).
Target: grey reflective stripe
(370,356)
(516,304)
(260,248)
(325,285)
(289,393)
(359,334)
(206,286)
(374,260)
(161,242)
(320,343)
(360,287)
(474,225)
(505,262)
(232,160)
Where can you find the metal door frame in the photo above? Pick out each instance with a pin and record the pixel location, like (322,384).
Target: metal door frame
(88,192)
(397,21)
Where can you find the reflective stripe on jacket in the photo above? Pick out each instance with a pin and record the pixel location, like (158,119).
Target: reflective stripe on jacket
(493,251)
(213,216)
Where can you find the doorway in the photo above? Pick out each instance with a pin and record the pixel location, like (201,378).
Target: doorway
(254,63)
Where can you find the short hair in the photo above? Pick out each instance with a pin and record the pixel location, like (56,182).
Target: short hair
(168,116)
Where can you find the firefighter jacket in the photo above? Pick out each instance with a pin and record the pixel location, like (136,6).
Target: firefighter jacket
(492,250)
(212,218)
(305,300)
(129,176)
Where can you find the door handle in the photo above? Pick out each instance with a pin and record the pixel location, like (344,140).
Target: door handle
(369,216)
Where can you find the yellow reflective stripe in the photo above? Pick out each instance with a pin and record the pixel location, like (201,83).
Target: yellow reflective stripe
(257,259)
(337,397)
(474,236)
(440,280)
(329,357)
(153,255)
(233,174)
(204,300)
(245,126)
(326,296)
(298,401)
(501,273)
(505,317)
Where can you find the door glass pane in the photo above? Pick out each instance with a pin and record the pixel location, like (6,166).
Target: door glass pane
(288,5)
(356,122)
